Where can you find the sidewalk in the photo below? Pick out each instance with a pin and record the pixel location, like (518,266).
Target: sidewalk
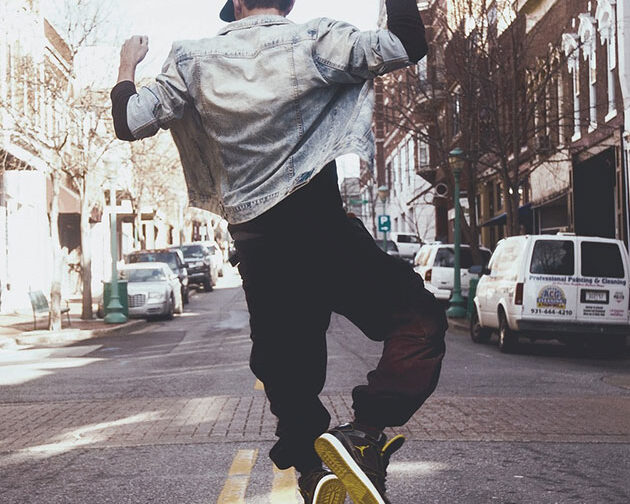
(18,328)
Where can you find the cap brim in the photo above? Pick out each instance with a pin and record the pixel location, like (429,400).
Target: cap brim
(227,13)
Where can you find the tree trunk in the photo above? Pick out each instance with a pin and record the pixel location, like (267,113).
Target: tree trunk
(55,288)
(474,225)
(86,255)
(138,236)
(511,208)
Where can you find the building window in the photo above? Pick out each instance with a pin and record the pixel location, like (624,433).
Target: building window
(411,159)
(422,71)
(457,111)
(607,26)
(570,46)
(499,189)
(588,39)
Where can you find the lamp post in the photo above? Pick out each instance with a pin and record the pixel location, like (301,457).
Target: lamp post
(114,309)
(383,193)
(457,304)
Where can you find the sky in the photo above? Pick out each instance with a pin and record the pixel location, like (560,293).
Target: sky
(164,21)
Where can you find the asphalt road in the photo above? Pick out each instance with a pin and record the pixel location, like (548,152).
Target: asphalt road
(169,414)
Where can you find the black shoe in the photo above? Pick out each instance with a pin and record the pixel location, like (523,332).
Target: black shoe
(321,487)
(359,461)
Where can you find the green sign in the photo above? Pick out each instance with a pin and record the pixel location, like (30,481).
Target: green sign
(384,223)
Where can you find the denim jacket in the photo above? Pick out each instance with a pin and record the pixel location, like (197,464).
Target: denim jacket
(258,110)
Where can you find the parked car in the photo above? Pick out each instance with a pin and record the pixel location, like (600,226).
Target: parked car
(200,265)
(392,248)
(435,262)
(441,295)
(174,259)
(217,255)
(565,287)
(152,290)
(408,244)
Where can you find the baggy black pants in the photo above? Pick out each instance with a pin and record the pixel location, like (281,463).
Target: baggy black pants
(304,260)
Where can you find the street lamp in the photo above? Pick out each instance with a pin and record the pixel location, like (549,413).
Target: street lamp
(115,311)
(383,193)
(457,304)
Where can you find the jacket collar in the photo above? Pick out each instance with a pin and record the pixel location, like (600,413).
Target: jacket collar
(251,21)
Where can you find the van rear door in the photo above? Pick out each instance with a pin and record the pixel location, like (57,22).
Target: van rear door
(603,283)
(549,291)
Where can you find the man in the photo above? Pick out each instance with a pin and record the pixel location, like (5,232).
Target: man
(259,113)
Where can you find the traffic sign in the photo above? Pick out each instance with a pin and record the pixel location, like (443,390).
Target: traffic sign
(384,223)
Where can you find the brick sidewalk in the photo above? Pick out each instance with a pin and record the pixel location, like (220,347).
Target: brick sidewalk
(50,427)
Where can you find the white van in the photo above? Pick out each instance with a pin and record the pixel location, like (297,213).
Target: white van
(563,287)
(408,244)
(435,263)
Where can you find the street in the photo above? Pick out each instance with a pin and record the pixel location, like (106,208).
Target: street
(172,414)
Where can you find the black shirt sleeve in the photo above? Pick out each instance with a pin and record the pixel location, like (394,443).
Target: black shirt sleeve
(404,21)
(120,97)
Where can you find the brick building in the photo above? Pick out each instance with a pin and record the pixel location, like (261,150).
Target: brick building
(561,108)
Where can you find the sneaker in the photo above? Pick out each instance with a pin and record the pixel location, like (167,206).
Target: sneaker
(359,461)
(321,487)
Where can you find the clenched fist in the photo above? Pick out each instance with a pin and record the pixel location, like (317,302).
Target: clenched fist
(134,50)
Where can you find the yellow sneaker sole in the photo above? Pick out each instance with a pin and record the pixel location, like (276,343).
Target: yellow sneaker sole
(340,462)
(329,491)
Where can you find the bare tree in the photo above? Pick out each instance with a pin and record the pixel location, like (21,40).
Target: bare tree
(491,88)
(156,181)
(49,118)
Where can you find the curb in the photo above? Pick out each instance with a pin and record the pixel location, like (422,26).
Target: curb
(74,335)
(458,323)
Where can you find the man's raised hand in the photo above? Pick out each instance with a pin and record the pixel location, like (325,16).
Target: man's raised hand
(133,52)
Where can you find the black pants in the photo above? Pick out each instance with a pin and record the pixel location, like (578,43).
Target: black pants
(300,262)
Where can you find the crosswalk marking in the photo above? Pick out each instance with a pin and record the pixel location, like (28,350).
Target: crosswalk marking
(238,478)
(259,385)
(284,487)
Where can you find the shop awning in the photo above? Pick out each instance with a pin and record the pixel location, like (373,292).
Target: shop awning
(524,217)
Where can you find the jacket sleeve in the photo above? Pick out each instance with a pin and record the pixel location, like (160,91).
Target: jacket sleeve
(154,106)
(346,55)
(404,21)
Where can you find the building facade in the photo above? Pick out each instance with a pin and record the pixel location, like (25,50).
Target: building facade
(546,149)
(28,43)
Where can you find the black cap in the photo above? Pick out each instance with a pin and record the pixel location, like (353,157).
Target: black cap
(227,13)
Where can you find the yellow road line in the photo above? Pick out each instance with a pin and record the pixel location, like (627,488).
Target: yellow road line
(284,487)
(259,385)
(238,478)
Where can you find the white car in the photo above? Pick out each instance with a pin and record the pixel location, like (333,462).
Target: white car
(217,255)
(565,287)
(152,290)
(408,244)
(435,263)
(442,295)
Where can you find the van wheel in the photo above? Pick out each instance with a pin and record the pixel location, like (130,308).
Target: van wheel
(613,346)
(507,339)
(477,333)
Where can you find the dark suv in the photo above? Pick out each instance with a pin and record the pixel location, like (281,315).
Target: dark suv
(175,260)
(199,264)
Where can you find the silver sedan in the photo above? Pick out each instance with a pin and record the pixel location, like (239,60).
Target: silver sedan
(153,290)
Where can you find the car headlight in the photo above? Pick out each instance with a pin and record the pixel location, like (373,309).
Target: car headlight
(157,296)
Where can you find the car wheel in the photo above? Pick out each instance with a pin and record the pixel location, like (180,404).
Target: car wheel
(185,298)
(179,307)
(507,339)
(171,309)
(477,333)
(207,284)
